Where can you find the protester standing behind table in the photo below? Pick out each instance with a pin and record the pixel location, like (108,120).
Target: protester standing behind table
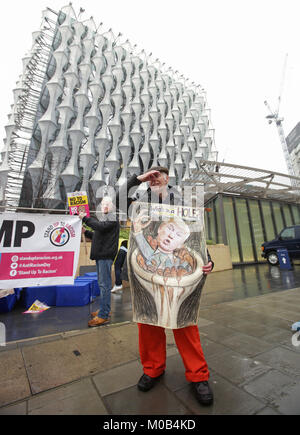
(119,263)
(152,339)
(105,241)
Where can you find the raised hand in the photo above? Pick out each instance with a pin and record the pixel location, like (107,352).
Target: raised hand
(148,176)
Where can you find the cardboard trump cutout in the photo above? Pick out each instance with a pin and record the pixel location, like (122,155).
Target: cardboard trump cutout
(167,250)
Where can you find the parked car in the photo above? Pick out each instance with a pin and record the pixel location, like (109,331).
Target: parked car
(289,238)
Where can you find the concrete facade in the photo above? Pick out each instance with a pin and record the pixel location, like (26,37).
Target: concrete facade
(90,109)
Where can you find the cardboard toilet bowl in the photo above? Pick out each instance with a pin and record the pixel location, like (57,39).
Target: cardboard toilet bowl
(168,292)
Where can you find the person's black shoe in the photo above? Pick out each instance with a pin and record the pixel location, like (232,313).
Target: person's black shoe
(146,382)
(203,393)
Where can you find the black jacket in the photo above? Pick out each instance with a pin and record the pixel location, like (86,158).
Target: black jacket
(124,201)
(105,238)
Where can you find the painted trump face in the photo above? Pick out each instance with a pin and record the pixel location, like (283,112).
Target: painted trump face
(171,236)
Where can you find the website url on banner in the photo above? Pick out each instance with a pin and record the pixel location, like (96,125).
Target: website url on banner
(53,257)
(35,265)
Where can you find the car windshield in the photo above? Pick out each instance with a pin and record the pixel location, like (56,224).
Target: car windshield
(288,234)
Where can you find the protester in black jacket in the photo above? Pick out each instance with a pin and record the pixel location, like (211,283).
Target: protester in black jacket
(119,264)
(105,240)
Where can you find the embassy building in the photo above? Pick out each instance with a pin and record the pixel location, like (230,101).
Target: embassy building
(90,110)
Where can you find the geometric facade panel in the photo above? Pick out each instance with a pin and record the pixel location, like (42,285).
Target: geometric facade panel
(90,110)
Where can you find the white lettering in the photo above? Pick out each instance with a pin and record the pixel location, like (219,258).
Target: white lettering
(120,425)
(296,339)
(2,335)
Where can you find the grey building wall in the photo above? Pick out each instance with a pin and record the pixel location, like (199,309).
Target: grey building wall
(90,110)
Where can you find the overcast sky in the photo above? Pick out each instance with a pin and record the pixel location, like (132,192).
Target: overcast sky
(235,49)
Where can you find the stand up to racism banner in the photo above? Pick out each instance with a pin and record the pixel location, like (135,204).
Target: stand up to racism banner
(38,249)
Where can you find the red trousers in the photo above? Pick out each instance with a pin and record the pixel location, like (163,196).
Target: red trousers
(152,346)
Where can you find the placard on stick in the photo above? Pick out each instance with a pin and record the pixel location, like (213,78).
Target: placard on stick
(78,202)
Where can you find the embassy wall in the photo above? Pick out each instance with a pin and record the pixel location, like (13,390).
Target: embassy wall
(90,110)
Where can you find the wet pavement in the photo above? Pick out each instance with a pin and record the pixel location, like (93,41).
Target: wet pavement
(53,364)
(239,283)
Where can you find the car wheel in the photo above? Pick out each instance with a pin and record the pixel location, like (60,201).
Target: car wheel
(272,258)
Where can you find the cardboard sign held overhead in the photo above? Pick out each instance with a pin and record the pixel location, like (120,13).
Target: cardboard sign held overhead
(77,202)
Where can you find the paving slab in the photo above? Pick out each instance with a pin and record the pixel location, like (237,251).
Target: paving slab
(204,322)
(278,336)
(246,345)
(216,281)
(268,411)
(211,348)
(56,363)
(293,299)
(292,342)
(158,401)
(127,336)
(18,409)
(265,319)
(255,368)
(247,327)
(216,332)
(291,316)
(171,351)
(38,340)
(215,315)
(78,398)
(282,359)
(235,367)
(101,351)
(266,332)
(289,401)
(118,378)
(279,305)
(267,310)
(174,377)
(244,303)
(269,386)
(14,383)
(209,299)
(51,364)
(170,340)
(227,308)
(228,399)
(9,346)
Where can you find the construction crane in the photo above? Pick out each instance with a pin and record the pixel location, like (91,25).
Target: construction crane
(274,117)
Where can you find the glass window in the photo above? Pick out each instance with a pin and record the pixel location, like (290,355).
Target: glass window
(257,227)
(269,227)
(218,220)
(296,214)
(231,230)
(278,217)
(287,215)
(210,229)
(213,220)
(244,227)
(206,223)
(288,234)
